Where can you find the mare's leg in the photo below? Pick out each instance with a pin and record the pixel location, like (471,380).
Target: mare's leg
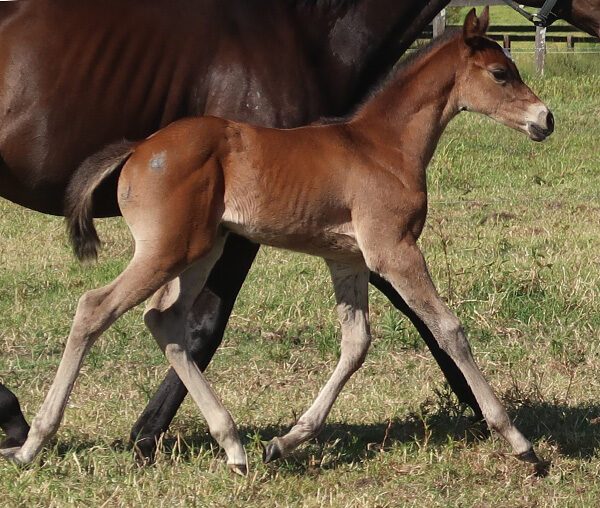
(351,292)
(404,266)
(96,311)
(167,318)
(453,375)
(207,320)
(12,421)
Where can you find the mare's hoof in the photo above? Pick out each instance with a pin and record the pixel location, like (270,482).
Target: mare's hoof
(528,456)
(272,451)
(241,469)
(145,451)
(11,442)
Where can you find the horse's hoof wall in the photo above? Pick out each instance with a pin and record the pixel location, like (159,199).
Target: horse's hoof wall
(145,451)
(272,451)
(528,456)
(11,442)
(241,469)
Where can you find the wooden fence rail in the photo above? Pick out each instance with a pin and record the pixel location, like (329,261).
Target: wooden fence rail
(517,33)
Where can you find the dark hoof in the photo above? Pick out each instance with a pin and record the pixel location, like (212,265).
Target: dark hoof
(272,451)
(528,456)
(542,468)
(11,442)
(145,451)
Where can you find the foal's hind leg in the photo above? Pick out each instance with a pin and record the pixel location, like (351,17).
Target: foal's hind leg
(206,324)
(96,311)
(403,265)
(167,318)
(351,292)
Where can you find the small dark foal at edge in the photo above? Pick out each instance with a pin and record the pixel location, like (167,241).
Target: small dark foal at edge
(353,193)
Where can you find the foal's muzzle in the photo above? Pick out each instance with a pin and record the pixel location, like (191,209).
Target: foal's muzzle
(542,127)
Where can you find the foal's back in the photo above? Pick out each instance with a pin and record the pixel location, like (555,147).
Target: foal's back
(293,189)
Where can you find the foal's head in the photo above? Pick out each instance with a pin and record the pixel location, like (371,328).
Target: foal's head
(488,82)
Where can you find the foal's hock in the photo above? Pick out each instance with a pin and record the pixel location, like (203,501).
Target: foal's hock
(353,193)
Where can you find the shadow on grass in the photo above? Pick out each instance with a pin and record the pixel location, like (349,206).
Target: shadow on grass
(575,430)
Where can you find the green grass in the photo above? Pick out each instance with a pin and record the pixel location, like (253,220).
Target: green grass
(512,241)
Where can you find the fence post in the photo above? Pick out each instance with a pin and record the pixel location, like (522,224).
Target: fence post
(439,24)
(570,43)
(540,49)
(507,43)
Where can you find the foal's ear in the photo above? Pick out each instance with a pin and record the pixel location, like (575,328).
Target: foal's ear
(475,27)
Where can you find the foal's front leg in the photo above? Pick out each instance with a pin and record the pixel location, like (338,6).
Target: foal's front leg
(351,292)
(404,266)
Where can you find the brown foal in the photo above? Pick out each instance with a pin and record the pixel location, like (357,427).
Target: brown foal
(353,193)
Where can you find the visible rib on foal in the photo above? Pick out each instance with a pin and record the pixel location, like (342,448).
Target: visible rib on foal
(353,193)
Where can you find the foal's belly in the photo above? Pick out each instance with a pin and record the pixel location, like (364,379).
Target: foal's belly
(335,242)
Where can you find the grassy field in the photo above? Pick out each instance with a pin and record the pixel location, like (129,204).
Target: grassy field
(513,243)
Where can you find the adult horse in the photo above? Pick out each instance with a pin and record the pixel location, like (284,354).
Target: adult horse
(132,67)
(583,14)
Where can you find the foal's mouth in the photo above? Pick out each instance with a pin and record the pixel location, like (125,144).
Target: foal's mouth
(537,133)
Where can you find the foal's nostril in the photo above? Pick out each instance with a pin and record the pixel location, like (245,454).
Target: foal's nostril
(550,122)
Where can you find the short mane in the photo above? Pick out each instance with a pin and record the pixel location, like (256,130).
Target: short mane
(403,65)
(410,60)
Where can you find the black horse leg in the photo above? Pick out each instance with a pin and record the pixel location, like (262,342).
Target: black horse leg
(12,421)
(211,312)
(454,376)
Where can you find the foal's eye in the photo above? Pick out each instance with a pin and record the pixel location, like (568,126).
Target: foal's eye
(499,74)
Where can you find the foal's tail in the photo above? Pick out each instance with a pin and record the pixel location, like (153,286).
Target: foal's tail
(79,209)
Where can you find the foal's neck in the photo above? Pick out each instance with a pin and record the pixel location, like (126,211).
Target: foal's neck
(411,112)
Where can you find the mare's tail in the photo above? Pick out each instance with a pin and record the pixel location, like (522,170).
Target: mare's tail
(79,210)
